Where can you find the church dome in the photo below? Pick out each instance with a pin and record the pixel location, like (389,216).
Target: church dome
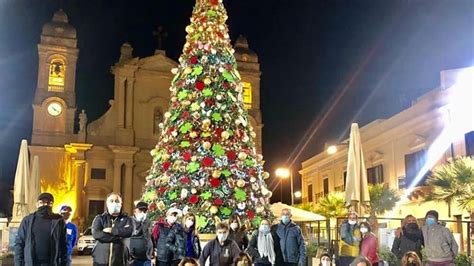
(243,52)
(59,27)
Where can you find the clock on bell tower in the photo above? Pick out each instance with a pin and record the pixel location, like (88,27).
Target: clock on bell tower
(54,105)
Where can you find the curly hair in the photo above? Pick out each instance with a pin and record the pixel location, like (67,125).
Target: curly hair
(411,258)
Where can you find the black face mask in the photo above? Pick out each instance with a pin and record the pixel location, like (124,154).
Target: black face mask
(412,231)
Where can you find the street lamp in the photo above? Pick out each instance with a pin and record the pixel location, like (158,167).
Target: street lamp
(284,173)
(333,149)
(297,194)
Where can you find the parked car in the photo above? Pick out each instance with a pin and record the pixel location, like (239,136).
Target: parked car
(86,242)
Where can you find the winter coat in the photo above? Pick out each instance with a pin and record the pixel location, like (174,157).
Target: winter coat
(160,235)
(24,242)
(252,249)
(240,237)
(141,245)
(368,248)
(214,251)
(71,230)
(439,243)
(116,242)
(291,243)
(177,240)
(350,236)
(408,241)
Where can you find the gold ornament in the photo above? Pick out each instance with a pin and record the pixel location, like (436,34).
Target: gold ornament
(241,183)
(167,115)
(216,173)
(242,156)
(206,145)
(193,191)
(189,29)
(265,175)
(225,135)
(188,70)
(161,206)
(165,156)
(207,81)
(213,210)
(174,70)
(193,134)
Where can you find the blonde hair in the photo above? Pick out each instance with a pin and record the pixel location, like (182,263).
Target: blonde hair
(411,257)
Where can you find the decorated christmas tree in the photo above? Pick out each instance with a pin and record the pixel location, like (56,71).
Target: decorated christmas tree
(205,161)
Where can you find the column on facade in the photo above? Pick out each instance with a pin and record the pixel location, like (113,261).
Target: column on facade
(120,103)
(129,103)
(117,186)
(128,189)
(79,173)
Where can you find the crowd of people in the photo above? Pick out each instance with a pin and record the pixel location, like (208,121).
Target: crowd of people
(45,238)
(359,245)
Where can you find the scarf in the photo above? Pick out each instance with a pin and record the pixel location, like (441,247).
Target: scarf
(265,247)
(412,232)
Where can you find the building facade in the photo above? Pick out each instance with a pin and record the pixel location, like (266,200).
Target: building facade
(111,153)
(401,151)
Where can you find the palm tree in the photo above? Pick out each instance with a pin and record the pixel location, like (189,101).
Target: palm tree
(331,206)
(454,182)
(382,199)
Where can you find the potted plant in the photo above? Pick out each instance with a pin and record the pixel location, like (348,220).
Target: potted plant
(462,259)
(311,253)
(386,255)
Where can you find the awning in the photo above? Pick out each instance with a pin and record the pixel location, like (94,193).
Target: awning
(298,215)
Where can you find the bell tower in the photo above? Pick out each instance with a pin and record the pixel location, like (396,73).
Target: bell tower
(54,105)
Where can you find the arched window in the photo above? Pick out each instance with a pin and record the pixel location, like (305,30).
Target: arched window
(56,75)
(157,119)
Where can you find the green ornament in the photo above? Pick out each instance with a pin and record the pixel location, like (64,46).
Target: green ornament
(218,150)
(205,134)
(185,128)
(201,221)
(148,195)
(216,117)
(228,76)
(225,210)
(182,95)
(192,167)
(240,194)
(249,163)
(256,221)
(226,172)
(207,92)
(211,13)
(195,106)
(206,195)
(196,36)
(197,71)
(174,117)
(173,195)
(185,144)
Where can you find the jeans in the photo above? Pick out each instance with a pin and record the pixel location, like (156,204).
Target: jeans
(141,263)
(345,260)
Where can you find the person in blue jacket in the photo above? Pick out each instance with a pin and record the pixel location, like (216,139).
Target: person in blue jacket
(71,231)
(291,241)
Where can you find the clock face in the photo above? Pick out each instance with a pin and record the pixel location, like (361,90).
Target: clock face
(55,108)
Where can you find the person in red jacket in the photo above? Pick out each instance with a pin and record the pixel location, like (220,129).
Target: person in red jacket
(369,244)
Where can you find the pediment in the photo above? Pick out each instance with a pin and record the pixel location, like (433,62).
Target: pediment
(157,62)
(375,157)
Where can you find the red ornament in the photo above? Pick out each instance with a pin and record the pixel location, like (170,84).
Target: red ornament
(225,85)
(252,172)
(203,19)
(185,115)
(209,102)
(200,85)
(218,202)
(193,60)
(231,155)
(152,207)
(218,132)
(162,190)
(215,182)
(214,2)
(220,35)
(208,161)
(250,214)
(187,156)
(166,166)
(194,199)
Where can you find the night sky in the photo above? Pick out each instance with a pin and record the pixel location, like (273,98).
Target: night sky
(324,63)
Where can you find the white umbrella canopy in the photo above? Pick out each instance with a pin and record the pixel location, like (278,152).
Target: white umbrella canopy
(20,190)
(357,190)
(34,185)
(298,215)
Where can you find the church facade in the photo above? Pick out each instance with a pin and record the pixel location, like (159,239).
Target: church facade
(112,153)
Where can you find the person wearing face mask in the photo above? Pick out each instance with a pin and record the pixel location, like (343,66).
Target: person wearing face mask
(237,232)
(291,240)
(160,233)
(141,246)
(112,231)
(369,244)
(350,238)
(409,238)
(183,240)
(41,238)
(325,260)
(440,246)
(220,251)
(261,246)
(71,230)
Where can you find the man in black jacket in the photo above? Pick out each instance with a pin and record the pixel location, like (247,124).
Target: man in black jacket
(41,238)
(141,246)
(112,230)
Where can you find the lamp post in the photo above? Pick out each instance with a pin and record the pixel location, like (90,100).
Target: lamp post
(284,173)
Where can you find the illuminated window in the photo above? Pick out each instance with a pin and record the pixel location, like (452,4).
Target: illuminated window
(157,119)
(247,95)
(57,73)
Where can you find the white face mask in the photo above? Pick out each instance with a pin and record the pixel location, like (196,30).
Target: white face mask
(234,226)
(325,263)
(222,237)
(352,222)
(140,216)
(171,219)
(364,230)
(189,223)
